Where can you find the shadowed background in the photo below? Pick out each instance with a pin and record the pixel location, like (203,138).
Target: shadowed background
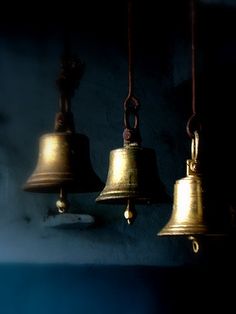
(31,44)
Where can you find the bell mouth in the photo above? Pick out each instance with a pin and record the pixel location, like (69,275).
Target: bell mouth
(119,200)
(47,185)
(184,230)
(116,195)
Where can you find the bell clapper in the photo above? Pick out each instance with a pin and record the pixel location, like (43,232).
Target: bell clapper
(62,203)
(195,244)
(129,213)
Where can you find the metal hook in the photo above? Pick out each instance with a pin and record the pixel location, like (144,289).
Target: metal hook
(195,146)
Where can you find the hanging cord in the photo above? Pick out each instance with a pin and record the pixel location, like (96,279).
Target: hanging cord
(71,72)
(130,51)
(131,103)
(193,57)
(193,124)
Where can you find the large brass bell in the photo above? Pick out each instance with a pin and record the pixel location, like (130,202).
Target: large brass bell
(188,215)
(64,164)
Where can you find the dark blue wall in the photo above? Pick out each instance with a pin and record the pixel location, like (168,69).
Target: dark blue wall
(30,49)
(44,289)
(29,60)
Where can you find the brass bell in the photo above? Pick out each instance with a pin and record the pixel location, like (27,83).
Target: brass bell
(132,178)
(64,164)
(188,210)
(188,215)
(132,174)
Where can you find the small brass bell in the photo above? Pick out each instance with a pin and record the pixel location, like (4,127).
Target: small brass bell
(188,215)
(64,164)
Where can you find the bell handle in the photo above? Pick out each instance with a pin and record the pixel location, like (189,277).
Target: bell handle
(131,134)
(193,163)
(195,146)
(131,106)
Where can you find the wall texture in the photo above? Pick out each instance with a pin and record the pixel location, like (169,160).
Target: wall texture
(30,50)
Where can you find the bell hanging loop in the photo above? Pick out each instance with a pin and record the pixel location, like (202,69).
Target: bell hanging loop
(193,163)
(193,125)
(195,146)
(131,135)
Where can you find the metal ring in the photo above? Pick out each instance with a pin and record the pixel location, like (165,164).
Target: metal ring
(128,111)
(193,125)
(195,146)
(133,100)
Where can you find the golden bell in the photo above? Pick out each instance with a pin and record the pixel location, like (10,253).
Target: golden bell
(132,178)
(188,215)
(133,175)
(63,163)
(188,209)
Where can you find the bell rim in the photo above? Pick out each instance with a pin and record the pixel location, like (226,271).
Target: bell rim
(121,199)
(207,234)
(71,185)
(184,230)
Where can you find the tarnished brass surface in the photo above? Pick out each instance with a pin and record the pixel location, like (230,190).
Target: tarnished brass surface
(188,214)
(188,211)
(132,174)
(63,162)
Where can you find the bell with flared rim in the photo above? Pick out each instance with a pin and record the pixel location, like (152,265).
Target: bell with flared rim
(132,178)
(64,164)
(188,216)
(188,208)
(132,174)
